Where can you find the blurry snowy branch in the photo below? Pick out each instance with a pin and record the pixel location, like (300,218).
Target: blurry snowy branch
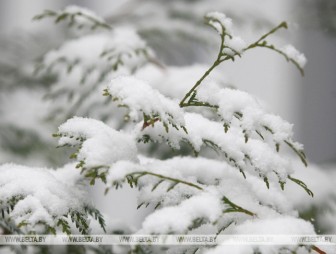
(74,16)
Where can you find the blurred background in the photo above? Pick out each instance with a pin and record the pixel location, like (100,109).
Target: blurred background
(175,30)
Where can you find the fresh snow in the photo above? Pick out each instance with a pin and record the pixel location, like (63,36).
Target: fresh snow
(46,195)
(141,99)
(202,130)
(219,20)
(179,218)
(294,54)
(100,144)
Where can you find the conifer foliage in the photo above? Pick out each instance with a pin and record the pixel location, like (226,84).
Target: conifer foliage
(229,164)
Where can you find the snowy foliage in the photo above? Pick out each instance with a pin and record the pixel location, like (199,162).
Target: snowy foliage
(86,63)
(234,183)
(39,200)
(143,101)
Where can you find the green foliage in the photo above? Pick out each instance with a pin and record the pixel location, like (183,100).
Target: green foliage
(95,213)
(234,208)
(302,184)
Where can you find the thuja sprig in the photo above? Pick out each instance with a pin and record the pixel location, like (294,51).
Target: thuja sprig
(190,97)
(219,21)
(302,184)
(234,208)
(71,16)
(134,177)
(299,153)
(192,92)
(261,42)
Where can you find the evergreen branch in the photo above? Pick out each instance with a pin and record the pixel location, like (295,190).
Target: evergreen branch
(93,173)
(275,29)
(300,153)
(212,67)
(221,57)
(175,180)
(196,223)
(64,15)
(272,47)
(236,208)
(230,160)
(318,250)
(80,221)
(95,213)
(224,228)
(149,118)
(64,225)
(117,56)
(199,82)
(262,43)
(302,184)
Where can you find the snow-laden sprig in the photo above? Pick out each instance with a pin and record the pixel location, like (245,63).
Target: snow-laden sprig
(176,183)
(145,103)
(108,155)
(99,146)
(292,54)
(77,17)
(185,196)
(230,104)
(232,46)
(254,156)
(111,156)
(289,52)
(238,108)
(39,200)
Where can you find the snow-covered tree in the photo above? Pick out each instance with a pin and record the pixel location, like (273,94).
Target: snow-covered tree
(205,156)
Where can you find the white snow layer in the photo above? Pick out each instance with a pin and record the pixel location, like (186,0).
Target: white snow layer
(232,44)
(294,54)
(141,99)
(101,145)
(219,21)
(44,194)
(274,226)
(254,116)
(232,143)
(179,218)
